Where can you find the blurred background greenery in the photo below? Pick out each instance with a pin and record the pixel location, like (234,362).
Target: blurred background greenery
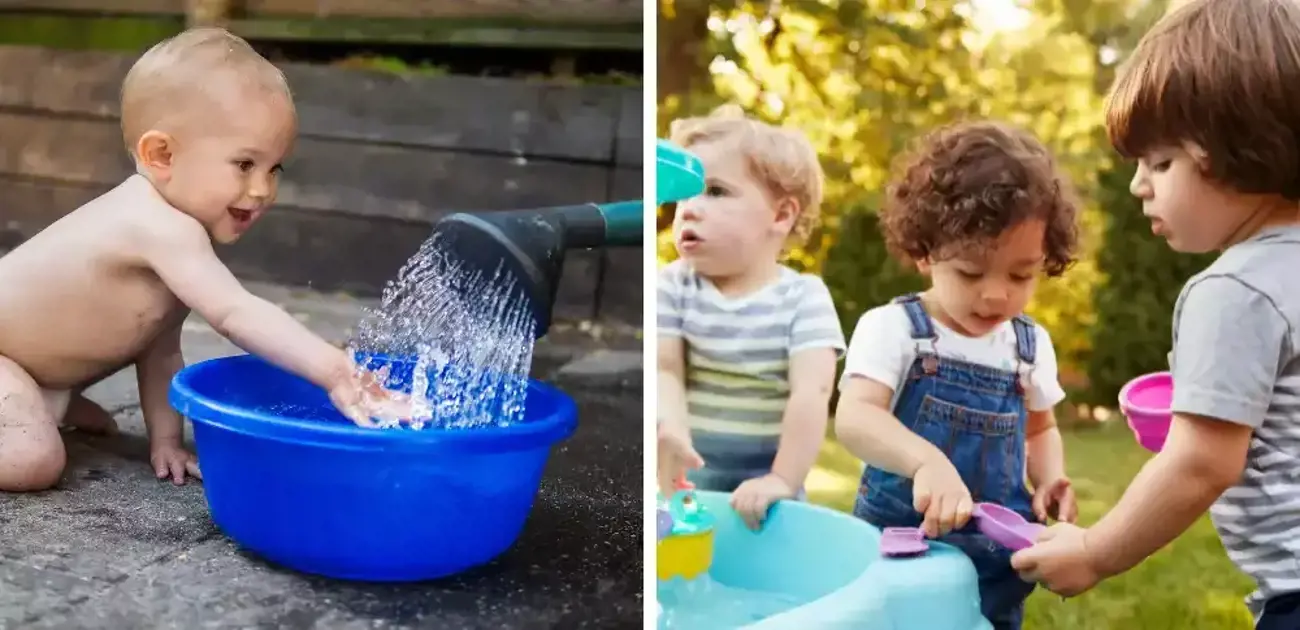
(864,78)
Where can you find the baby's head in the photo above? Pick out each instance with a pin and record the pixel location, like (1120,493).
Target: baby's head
(208,121)
(1209,105)
(763,191)
(981,209)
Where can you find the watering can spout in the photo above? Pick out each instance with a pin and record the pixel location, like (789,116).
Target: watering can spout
(529,245)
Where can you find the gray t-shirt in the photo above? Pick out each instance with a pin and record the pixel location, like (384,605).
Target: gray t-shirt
(1235,359)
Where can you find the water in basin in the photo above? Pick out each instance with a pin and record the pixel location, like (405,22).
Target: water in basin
(705,604)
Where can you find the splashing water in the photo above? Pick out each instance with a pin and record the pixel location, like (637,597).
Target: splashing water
(469,336)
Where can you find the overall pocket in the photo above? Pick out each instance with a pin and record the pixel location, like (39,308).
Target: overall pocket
(980,444)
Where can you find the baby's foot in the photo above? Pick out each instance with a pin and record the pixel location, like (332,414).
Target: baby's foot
(87,416)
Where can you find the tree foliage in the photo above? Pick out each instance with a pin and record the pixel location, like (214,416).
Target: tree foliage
(863,79)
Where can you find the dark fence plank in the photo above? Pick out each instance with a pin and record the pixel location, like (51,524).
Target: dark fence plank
(123,7)
(584,10)
(293,246)
(455,112)
(328,176)
(603,11)
(509,117)
(368,183)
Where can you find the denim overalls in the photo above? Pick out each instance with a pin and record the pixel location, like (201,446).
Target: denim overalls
(976,415)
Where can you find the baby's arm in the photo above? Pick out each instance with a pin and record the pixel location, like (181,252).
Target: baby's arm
(672,382)
(1044,448)
(1043,444)
(816,342)
(803,426)
(180,252)
(1230,342)
(154,371)
(864,423)
(675,450)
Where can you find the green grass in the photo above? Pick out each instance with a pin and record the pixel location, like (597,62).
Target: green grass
(1190,584)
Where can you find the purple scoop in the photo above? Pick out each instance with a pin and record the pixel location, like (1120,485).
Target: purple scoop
(902,541)
(1005,527)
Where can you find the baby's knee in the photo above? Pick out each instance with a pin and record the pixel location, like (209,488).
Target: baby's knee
(28,465)
(31,449)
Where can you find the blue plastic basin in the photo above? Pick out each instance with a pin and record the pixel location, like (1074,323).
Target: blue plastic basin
(288,478)
(832,561)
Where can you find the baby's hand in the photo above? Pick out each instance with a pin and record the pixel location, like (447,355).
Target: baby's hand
(363,397)
(1055,499)
(676,455)
(938,492)
(172,460)
(752,499)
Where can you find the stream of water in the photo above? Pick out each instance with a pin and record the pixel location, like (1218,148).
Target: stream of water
(471,344)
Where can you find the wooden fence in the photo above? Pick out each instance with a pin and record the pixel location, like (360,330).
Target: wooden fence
(379,158)
(556,24)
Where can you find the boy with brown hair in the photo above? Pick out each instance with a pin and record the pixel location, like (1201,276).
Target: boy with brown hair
(747,346)
(207,122)
(1209,105)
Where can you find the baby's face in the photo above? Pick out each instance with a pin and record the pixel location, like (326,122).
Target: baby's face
(1191,212)
(225,170)
(980,288)
(733,224)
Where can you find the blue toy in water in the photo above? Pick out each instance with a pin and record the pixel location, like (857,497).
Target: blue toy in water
(830,562)
(288,478)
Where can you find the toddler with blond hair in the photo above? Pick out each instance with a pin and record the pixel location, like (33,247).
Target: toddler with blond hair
(748,346)
(208,122)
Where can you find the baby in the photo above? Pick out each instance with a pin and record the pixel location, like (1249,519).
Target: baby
(208,122)
(747,347)
(1209,106)
(947,396)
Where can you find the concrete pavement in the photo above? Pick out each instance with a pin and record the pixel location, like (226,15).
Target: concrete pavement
(113,548)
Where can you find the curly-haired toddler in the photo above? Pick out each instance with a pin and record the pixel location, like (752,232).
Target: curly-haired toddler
(947,395)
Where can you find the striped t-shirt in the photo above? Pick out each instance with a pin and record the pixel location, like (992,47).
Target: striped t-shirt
(1235,359)
(738,353)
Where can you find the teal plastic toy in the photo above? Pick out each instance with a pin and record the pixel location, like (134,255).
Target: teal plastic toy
(686,550)
(679,174)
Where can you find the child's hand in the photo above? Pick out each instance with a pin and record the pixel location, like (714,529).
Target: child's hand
(938,492)
(172,460)
(752,499)
(1055,499)
(1060,560)
(676,455)
(363,397)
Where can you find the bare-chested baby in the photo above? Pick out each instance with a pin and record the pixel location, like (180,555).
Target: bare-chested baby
(208,121)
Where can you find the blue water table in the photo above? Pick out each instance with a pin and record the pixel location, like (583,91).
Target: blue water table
(829,567)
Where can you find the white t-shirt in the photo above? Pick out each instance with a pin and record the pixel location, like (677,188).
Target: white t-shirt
(882,349)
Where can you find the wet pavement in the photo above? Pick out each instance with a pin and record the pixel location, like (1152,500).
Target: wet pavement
(111,547)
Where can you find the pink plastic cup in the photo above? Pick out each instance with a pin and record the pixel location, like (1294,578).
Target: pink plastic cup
(1145,401)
